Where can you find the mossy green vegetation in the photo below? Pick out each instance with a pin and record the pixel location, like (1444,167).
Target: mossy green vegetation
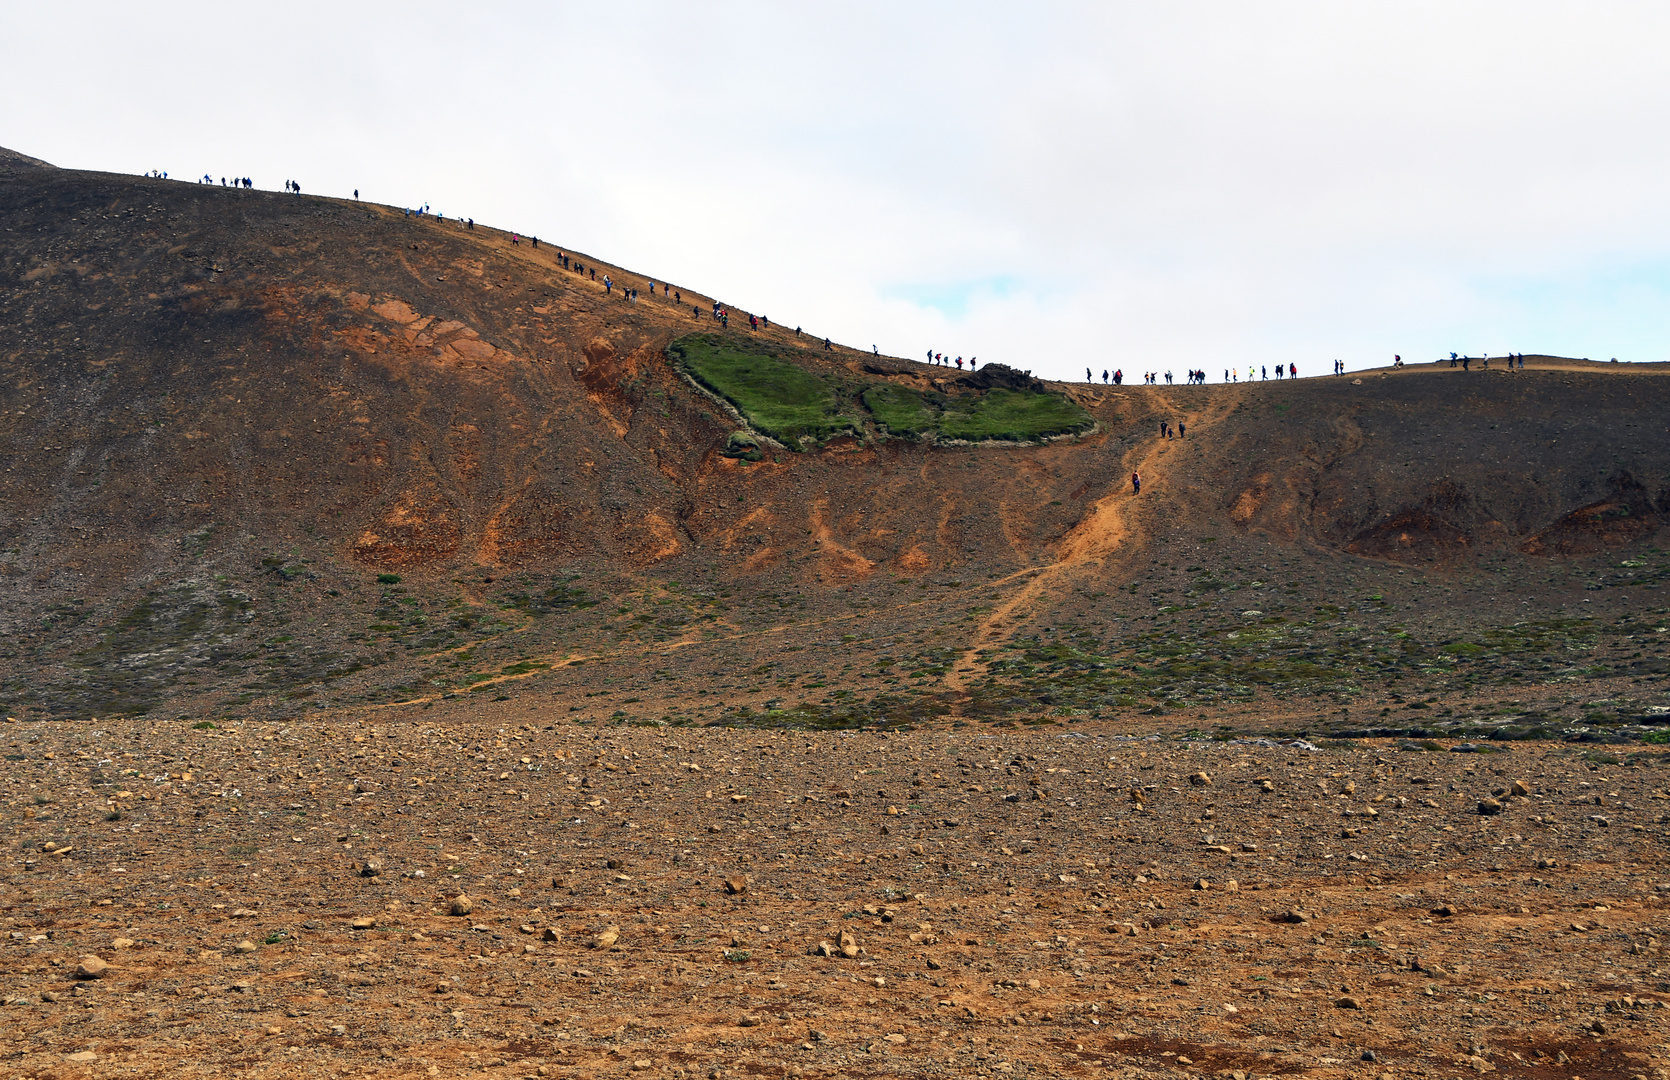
(1007,415)
(1013,416)
(797,407)
(779,399)
(902,411)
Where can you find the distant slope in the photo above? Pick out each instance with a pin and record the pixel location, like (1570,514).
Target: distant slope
(11,159)
(228,412)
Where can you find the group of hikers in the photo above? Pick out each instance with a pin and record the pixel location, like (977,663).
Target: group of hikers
(1166,432)
(939,359)
(1196,376)
(236,181)
(1467,361)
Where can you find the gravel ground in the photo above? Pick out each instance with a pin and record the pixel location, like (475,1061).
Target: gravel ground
(658,901)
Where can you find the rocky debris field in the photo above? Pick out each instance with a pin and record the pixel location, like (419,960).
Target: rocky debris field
(438,897)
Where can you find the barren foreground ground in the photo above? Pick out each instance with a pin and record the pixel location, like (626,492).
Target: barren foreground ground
(277,900)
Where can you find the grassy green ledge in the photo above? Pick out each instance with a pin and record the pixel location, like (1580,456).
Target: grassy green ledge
(778,399)
(799,408)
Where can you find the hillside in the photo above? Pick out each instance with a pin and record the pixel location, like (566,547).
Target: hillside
(273,456)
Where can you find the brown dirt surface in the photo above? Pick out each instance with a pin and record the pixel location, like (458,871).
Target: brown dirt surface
(353,562)
(1015,909)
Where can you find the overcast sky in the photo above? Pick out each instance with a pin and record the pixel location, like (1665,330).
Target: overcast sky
(1051,185)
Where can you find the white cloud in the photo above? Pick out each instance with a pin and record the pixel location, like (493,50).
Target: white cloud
(1178,185)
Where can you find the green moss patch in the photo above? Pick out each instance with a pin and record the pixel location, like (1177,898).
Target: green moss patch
(797,407)
(778,398)
(1013,415)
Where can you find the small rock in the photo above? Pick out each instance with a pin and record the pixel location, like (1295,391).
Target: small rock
(371,868)
(1443,910)
(461,905)
(1200,779)
(1296,916)
(551,934)
(849,945)
(82,1057)
(748,1020)
(122,943)
(1489,807)
(736,886)
(245,946)
(1368,1055)
(1232,886)
(91,967)
(896,1038)
(1519,789)
(364,922)
(1348,1003)
(50,996)
(1201,885)
(607,938)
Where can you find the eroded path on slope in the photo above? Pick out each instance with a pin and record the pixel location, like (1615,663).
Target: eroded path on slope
(1097,536)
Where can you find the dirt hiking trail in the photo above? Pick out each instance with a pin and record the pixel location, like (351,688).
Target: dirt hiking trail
(1096,536)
